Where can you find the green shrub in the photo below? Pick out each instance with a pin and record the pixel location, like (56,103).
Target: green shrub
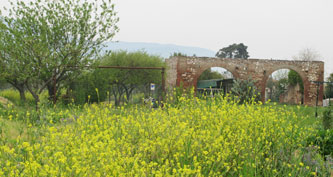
(89,87)
(323,139)
(245,91)
(328,119)
(176,96)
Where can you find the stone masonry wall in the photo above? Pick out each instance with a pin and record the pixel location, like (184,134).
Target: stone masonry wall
(186,70)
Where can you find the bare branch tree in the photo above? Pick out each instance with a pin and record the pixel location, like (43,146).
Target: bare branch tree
(307,54)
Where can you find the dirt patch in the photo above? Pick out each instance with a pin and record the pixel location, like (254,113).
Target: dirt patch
(4,102)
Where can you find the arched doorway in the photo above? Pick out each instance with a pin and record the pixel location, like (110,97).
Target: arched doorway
(214,80)
(284,86)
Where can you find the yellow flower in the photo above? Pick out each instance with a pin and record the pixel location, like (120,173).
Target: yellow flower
(25,144)
(301,164)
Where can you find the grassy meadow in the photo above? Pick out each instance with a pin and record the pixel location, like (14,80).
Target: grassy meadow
(196,137)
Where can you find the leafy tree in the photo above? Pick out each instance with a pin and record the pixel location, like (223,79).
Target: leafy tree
(294,78)
(126,81)
(12,59)
(209,74)
(3,83)
(282,85)
(54,40)
(120,83)
(233,51)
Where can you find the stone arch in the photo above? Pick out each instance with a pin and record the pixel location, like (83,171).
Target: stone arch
(186,70)
(220,65)
(297,69)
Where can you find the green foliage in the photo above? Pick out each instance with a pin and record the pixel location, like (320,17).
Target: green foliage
(209,74)
(83,89)
(282,80)
(323,139)
(178,54)
(277,88)
(233,51)
(245,91)
(118,83)
(329,87)
(328,119)
(294,78)
(175,97)
(3,84)
(44,40)
(282,85)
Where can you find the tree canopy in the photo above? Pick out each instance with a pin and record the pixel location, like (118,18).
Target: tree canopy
(120,83)
(233,51)
(51,41)
(294,78)
(209,74)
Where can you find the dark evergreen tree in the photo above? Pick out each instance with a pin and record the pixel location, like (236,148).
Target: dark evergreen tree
(233,51)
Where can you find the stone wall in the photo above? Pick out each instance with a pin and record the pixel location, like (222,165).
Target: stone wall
(292,95)
(186,70)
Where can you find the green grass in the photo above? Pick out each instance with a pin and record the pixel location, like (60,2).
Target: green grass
(14,96)
(10,130)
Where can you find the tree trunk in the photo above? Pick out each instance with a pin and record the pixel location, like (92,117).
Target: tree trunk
(115,97)
(36,97)
(50,89)
(129,94)
(22,95)
(116,102)
(20,87)
(37,103)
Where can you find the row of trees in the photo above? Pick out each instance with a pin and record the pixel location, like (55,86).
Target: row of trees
(99,84)
(46,42)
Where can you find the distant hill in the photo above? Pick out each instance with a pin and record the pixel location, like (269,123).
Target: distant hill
(163,50)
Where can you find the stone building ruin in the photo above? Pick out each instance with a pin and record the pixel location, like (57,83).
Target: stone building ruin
(185,71)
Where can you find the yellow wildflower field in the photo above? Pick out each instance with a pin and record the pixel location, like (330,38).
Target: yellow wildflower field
(214,137)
